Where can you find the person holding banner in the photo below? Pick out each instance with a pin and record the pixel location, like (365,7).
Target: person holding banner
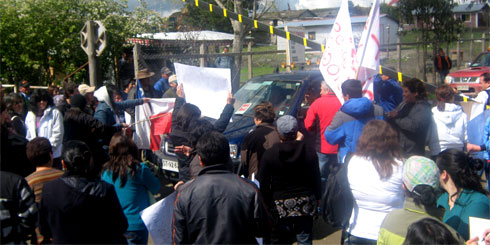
(412,118)
(483,98)
(347,124)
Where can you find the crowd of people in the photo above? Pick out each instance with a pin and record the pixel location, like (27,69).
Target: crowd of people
(396,170)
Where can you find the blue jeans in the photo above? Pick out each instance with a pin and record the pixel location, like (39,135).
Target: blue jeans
(137,237)
(325,161)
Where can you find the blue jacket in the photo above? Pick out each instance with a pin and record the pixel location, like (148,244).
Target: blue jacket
(387,94)
(161,86)
(486,139)
(106,115)
(348,122)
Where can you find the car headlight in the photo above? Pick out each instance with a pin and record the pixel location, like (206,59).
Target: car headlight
(449,80)
(233,151)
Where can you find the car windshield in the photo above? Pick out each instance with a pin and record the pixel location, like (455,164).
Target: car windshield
(482,60)
(282,94)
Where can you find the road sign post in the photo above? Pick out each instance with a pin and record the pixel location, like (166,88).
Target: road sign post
(93,42)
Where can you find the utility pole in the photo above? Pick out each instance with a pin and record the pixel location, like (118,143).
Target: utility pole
(93,42)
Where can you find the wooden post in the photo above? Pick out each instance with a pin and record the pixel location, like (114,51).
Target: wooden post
(399,51)
(418,56)
(388,44)
(202,50)
(250,71)
(471,46)
(288,52)
(458,50)
(483,43)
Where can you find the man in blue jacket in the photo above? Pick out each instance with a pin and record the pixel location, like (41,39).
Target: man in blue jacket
(348,122)
(387,92)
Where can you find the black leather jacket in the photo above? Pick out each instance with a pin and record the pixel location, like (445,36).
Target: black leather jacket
(219,207)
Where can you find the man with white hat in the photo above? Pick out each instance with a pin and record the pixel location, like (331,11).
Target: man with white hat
(88,93)
(172,91)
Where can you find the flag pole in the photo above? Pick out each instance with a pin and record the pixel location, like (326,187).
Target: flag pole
(367,36)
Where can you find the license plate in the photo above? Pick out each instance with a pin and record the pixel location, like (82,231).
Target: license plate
(463,87)
(170,165)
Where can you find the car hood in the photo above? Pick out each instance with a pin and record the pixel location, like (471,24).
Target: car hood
(470,72)
(238,128)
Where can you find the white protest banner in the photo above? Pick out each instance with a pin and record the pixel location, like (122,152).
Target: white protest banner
(367,58)
(205,87)
(158,219)
(478,228)
(337,63)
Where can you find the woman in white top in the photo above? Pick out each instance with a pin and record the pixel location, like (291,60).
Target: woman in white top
(44,120)
(375,178)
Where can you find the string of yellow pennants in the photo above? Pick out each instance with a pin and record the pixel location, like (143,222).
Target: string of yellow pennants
(259,25)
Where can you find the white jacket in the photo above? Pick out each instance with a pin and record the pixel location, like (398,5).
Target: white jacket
(451,126)
(50,127)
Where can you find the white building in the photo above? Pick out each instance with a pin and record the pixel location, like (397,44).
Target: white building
(318,30)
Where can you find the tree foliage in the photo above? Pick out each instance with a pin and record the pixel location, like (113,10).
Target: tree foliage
(36,35)
(197,19)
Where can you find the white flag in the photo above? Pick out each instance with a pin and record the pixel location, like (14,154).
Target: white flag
(367,58)
(337,64)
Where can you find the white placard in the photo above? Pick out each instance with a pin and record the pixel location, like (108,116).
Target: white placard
(158,219)
(205,87)
(478,227)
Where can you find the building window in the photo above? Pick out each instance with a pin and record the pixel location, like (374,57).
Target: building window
(312,35)
(465,17)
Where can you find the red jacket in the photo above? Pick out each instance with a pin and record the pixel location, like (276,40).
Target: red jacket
(322,110)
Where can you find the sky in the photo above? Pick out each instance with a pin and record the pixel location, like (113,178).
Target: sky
(167,7)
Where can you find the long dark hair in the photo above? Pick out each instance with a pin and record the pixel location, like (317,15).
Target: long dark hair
(77,157)
(379,142)
(123,158)
(444,94)
(416,86)
(424,195)
(429,231)
(39,95)
(187,113)
(11,100)
(462,169)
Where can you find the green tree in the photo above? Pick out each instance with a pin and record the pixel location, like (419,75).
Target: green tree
(36,35)
(434,19)
(197,19)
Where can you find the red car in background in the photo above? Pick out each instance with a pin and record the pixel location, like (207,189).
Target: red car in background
(468,80)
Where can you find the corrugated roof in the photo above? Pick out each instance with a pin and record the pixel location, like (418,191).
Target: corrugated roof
(191,35)
(469,7)
(330,21)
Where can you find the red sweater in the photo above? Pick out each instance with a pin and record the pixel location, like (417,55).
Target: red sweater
(322,110)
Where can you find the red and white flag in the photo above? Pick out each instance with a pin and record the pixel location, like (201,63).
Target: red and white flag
(367,59)
(338,60)
(152,120)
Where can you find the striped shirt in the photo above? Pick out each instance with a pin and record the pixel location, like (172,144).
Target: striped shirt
(37,179)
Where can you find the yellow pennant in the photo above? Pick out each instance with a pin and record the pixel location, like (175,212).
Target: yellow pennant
(465,99)
(400,77)
(287,36)
(197,3)
(380,69)
(305,42)
(323,48)
(255,24)
(271,29)
(224,13)
(210,7)
(240,18)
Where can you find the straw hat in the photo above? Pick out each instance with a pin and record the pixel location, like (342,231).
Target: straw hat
(144,73)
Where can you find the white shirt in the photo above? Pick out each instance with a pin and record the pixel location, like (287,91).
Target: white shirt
(479,107)
(50,127)
(374,198)
(451,126)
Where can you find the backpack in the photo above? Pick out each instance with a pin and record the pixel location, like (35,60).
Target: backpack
(337,200)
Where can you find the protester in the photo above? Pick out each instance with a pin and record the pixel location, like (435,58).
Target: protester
(182,116)
(13,148)
(82,126)
(88,92)
(40,154)
(198,127)
(483,97)
(289,178)
(127,85)
(18,208)
(143,88)
(107,107)
(14,103)
(162,85)
(464,194)
(225,61)
(25,92)
(44,120)
(261,138)
(420,182)
(76,208)
(429,231)
(412,118)
(318,117)
(69,90)
(347,124)
(218,207)
(387,92)
(375,176)
(443,64)
(133,182)
(172,91)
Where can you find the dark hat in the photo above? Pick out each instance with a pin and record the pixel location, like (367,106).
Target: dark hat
(25,84)
(79,101)
(287,126)
(165,70)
